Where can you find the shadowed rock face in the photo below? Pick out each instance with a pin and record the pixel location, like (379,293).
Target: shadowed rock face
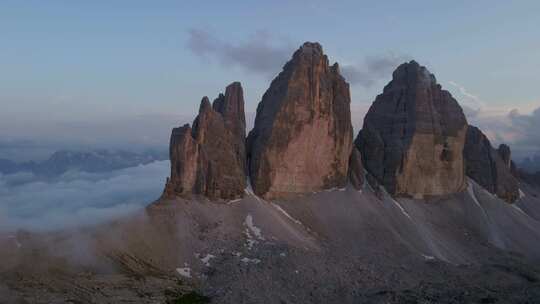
(209,159)
(302,137)
(413,136)
(490,168)
(231,107)
(356,169)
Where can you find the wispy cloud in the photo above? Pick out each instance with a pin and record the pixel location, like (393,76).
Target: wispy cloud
(467,98)
(373,69)
(265,54)
(260,53)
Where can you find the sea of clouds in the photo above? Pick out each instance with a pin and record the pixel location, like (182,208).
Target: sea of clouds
(77,198)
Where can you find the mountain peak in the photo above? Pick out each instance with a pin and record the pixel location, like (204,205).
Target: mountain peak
(306,109)
(413,136)
(412,73)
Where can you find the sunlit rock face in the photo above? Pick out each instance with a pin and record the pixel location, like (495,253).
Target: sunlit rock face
(490,168)
(209,158)
(302,137)
(413,136)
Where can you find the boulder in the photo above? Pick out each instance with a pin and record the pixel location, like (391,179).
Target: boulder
(209,159)
(302,138)
(490,168)
(413,136)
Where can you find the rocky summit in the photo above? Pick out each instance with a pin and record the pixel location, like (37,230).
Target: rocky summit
(302,137)
(209,159)
(490,168)
(413,136)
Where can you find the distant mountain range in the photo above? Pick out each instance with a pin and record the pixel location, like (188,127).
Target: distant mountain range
(87,161)
(530,164)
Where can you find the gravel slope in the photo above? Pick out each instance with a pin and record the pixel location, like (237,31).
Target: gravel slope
(338,246)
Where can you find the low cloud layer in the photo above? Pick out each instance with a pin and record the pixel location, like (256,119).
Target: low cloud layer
(77,198)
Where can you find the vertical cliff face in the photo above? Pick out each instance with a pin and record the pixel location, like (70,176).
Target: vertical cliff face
(490,168)
(413,136)
(231,107)
(209,159)
(302,137)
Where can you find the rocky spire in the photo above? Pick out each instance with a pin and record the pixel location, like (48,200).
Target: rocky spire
(209,159)
(490,168)
(302,137)
(413,136)
(231,107)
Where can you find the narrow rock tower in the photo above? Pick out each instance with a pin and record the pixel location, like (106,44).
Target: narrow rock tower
(209,159)
(490,168)
(302,137)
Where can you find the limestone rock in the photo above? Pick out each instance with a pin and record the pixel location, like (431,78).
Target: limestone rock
(231,107)
(490,168)
(356,169)
(505,154)
(302,137)
(413,136)
(209,159)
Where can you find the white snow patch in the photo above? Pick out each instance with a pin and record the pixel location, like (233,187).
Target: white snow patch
(283,254)
(286,214)
(428,257)
(386,194)
(518,209)
(249,189)
(248,260)
(253,233)
(342,189)
(250,242)
(521,194)
(206,259)
(254,229)
(234,201)
(401,208)
(184,271)
(14,238)
(473,195)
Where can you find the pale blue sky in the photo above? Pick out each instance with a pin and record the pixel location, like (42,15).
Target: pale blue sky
(70,62)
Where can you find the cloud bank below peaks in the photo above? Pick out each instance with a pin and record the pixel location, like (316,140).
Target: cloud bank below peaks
(77,198)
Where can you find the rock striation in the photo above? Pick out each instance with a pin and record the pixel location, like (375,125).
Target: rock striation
(413,136)
(490,168)
(209,158)
(302,138)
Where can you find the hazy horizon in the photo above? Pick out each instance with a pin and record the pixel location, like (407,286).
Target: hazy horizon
(122,75)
